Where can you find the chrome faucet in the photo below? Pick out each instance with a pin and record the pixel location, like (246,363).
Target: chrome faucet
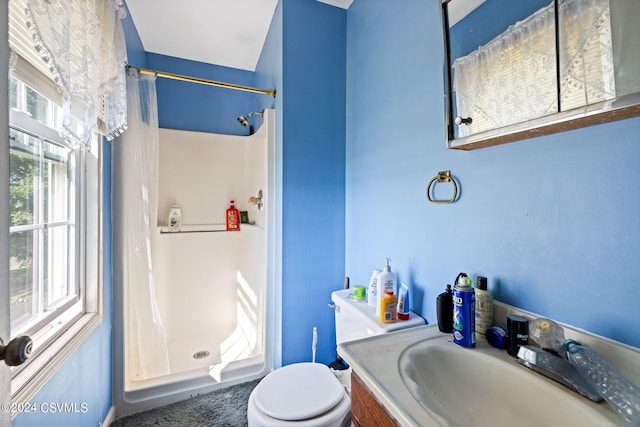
(556,368)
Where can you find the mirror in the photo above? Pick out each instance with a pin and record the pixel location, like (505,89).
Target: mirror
(517,70)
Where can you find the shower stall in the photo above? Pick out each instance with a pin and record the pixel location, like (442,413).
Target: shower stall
(213,289)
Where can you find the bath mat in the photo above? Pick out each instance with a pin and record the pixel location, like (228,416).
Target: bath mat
(221,408)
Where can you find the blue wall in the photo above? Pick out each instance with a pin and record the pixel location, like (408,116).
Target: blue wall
(83,383)
(551,221)
(268,72)
(313,174)
(190,106)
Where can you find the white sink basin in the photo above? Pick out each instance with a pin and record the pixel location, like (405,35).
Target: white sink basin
(486,387)
(423,379)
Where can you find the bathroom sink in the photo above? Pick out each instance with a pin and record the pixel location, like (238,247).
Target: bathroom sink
(421,378)
(484,386)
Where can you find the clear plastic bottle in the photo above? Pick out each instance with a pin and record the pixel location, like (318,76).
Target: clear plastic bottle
(547,335)
(621,394)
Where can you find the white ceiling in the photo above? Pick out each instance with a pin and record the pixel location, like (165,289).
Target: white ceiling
(230,33)
(459,9)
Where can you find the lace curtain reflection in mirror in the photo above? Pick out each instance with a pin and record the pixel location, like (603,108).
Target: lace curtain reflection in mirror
(509,74)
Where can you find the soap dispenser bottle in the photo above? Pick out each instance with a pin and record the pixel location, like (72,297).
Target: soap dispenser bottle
(386,282)
(444,310)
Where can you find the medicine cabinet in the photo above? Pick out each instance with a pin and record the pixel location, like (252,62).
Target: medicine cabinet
(520,69)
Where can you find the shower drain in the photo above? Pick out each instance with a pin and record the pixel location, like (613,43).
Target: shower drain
(201,354)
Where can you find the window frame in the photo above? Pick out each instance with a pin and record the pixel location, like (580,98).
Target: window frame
(60,335)
(24,124)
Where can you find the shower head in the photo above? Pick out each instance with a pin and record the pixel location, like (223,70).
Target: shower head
(244,120)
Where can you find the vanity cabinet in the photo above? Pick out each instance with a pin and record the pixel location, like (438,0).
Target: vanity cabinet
(366,410)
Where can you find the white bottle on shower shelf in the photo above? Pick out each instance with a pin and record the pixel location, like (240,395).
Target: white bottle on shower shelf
(175,218)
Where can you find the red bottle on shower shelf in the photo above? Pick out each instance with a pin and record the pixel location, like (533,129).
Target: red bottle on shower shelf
(233,218)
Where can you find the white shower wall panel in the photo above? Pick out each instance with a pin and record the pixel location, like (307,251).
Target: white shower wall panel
(201,172)
(211,285)
(255,174)
(195,283)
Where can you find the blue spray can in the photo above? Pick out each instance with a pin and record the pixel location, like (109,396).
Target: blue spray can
(464,312)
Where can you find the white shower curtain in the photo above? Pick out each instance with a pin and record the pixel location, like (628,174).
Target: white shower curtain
(135,184)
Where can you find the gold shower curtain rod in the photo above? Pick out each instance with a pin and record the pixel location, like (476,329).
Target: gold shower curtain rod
(172,76)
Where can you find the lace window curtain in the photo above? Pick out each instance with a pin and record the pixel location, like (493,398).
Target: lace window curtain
(512,78)
(82,42)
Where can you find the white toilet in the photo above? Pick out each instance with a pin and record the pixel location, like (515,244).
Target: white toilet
(309,394)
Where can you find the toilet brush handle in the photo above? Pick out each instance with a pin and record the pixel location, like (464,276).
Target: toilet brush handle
(314,344)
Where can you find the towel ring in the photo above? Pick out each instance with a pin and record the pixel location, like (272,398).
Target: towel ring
(444,176)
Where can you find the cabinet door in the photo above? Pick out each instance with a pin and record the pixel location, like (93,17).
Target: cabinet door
(366,410)
(517,70)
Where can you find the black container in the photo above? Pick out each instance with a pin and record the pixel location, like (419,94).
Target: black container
(444,310)
(517,333)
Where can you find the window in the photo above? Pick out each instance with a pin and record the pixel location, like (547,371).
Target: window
(54,235)
(42,203)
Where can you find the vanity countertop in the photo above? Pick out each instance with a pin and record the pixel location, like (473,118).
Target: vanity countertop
(376,361)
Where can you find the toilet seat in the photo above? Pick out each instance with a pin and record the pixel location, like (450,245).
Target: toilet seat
(299,395)
(298,392)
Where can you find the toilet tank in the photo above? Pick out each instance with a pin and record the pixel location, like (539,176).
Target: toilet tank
(357,319)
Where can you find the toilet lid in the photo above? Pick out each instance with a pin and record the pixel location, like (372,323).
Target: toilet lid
(298,392)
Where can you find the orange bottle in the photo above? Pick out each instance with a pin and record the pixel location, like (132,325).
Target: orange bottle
(233,218)
(388,307)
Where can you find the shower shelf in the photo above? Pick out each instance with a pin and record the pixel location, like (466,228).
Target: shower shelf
(203,228)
